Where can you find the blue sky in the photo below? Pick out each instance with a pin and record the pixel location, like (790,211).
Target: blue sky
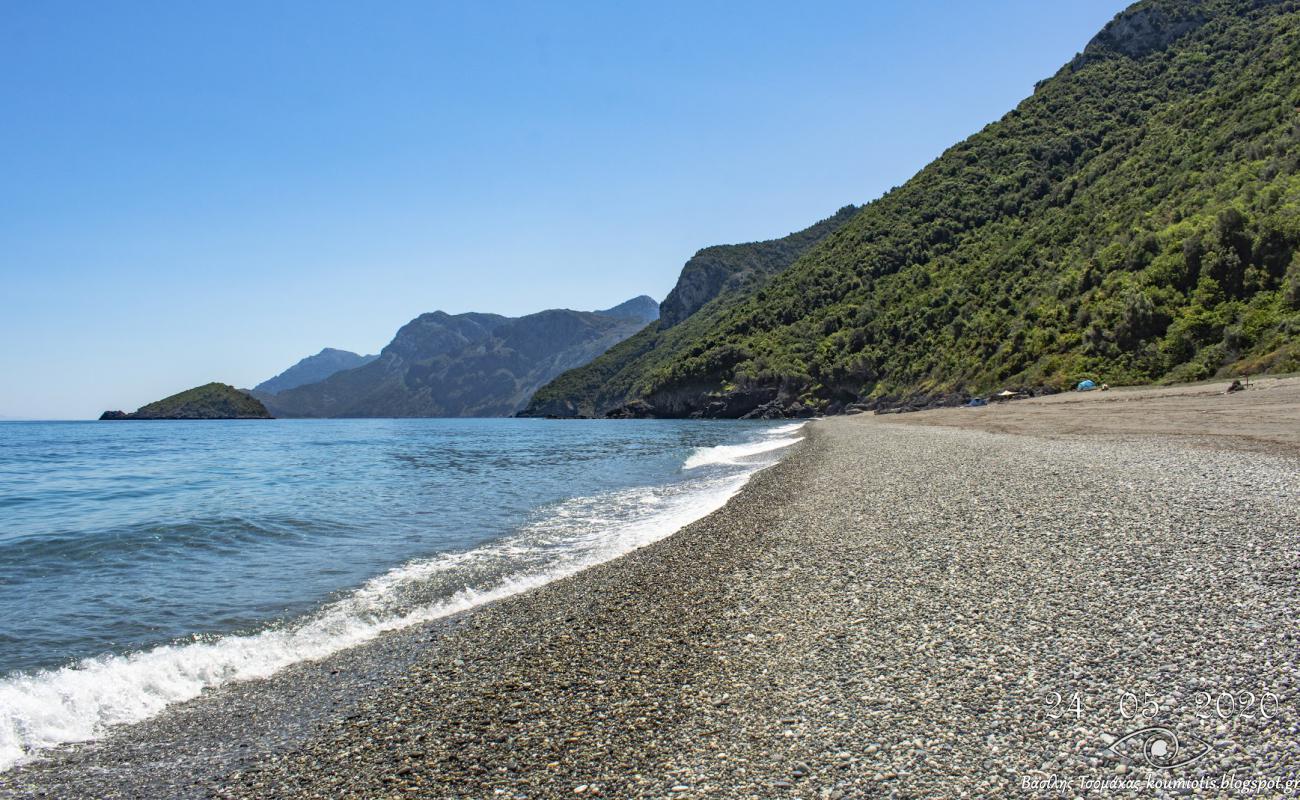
(210,191)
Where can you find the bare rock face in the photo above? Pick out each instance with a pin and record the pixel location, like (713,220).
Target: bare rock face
(1144,29)
(724,268)
(703,278)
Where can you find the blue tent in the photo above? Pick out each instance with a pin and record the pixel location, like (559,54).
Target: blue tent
(1085,386)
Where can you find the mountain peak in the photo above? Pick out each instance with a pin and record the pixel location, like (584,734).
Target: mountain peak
(312,369)
(642,307)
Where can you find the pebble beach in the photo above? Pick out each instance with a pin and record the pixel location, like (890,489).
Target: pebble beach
(920,606)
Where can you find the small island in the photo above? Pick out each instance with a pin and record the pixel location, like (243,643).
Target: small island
(210,401)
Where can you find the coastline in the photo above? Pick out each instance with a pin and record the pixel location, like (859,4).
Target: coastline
(886,610)
(240,718)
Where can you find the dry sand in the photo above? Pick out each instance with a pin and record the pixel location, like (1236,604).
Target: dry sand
(1265,417)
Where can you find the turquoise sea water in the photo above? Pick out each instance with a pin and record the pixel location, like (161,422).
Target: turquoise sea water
(141,562)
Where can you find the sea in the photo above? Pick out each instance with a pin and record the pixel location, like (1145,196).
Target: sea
(144,562)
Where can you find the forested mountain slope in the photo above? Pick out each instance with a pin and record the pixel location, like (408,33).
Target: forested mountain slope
(1136,219)
(714,275)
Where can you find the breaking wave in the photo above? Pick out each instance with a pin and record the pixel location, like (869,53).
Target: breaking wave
(741,454)
(46,708)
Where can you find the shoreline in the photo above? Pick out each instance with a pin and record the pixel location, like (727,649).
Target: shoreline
(886,610)
(258,717)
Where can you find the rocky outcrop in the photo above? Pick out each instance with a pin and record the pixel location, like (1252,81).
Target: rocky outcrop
(761,402)
(1143,29)
(210,401)
(723,268)
(778,403)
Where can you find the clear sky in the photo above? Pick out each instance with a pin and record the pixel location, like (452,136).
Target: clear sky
(205,191)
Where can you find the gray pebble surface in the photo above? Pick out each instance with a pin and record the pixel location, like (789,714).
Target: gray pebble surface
(892,611)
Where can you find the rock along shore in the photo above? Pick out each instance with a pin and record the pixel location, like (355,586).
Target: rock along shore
(895,610)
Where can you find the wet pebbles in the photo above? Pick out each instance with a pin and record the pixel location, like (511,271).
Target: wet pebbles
(893,611)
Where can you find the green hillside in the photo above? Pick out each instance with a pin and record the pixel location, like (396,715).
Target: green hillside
(1136,219)
(712,277)
(209,401)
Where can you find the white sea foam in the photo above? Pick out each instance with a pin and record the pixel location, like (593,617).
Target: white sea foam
(786,430)
(79,702)
(777,438)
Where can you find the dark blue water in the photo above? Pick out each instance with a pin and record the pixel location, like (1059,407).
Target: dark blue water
(143,561)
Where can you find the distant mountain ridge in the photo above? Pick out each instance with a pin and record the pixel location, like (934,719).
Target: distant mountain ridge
(472,364)
(312,369)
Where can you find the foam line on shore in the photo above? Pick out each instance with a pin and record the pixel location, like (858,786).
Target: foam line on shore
(744,453)
(80,701)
